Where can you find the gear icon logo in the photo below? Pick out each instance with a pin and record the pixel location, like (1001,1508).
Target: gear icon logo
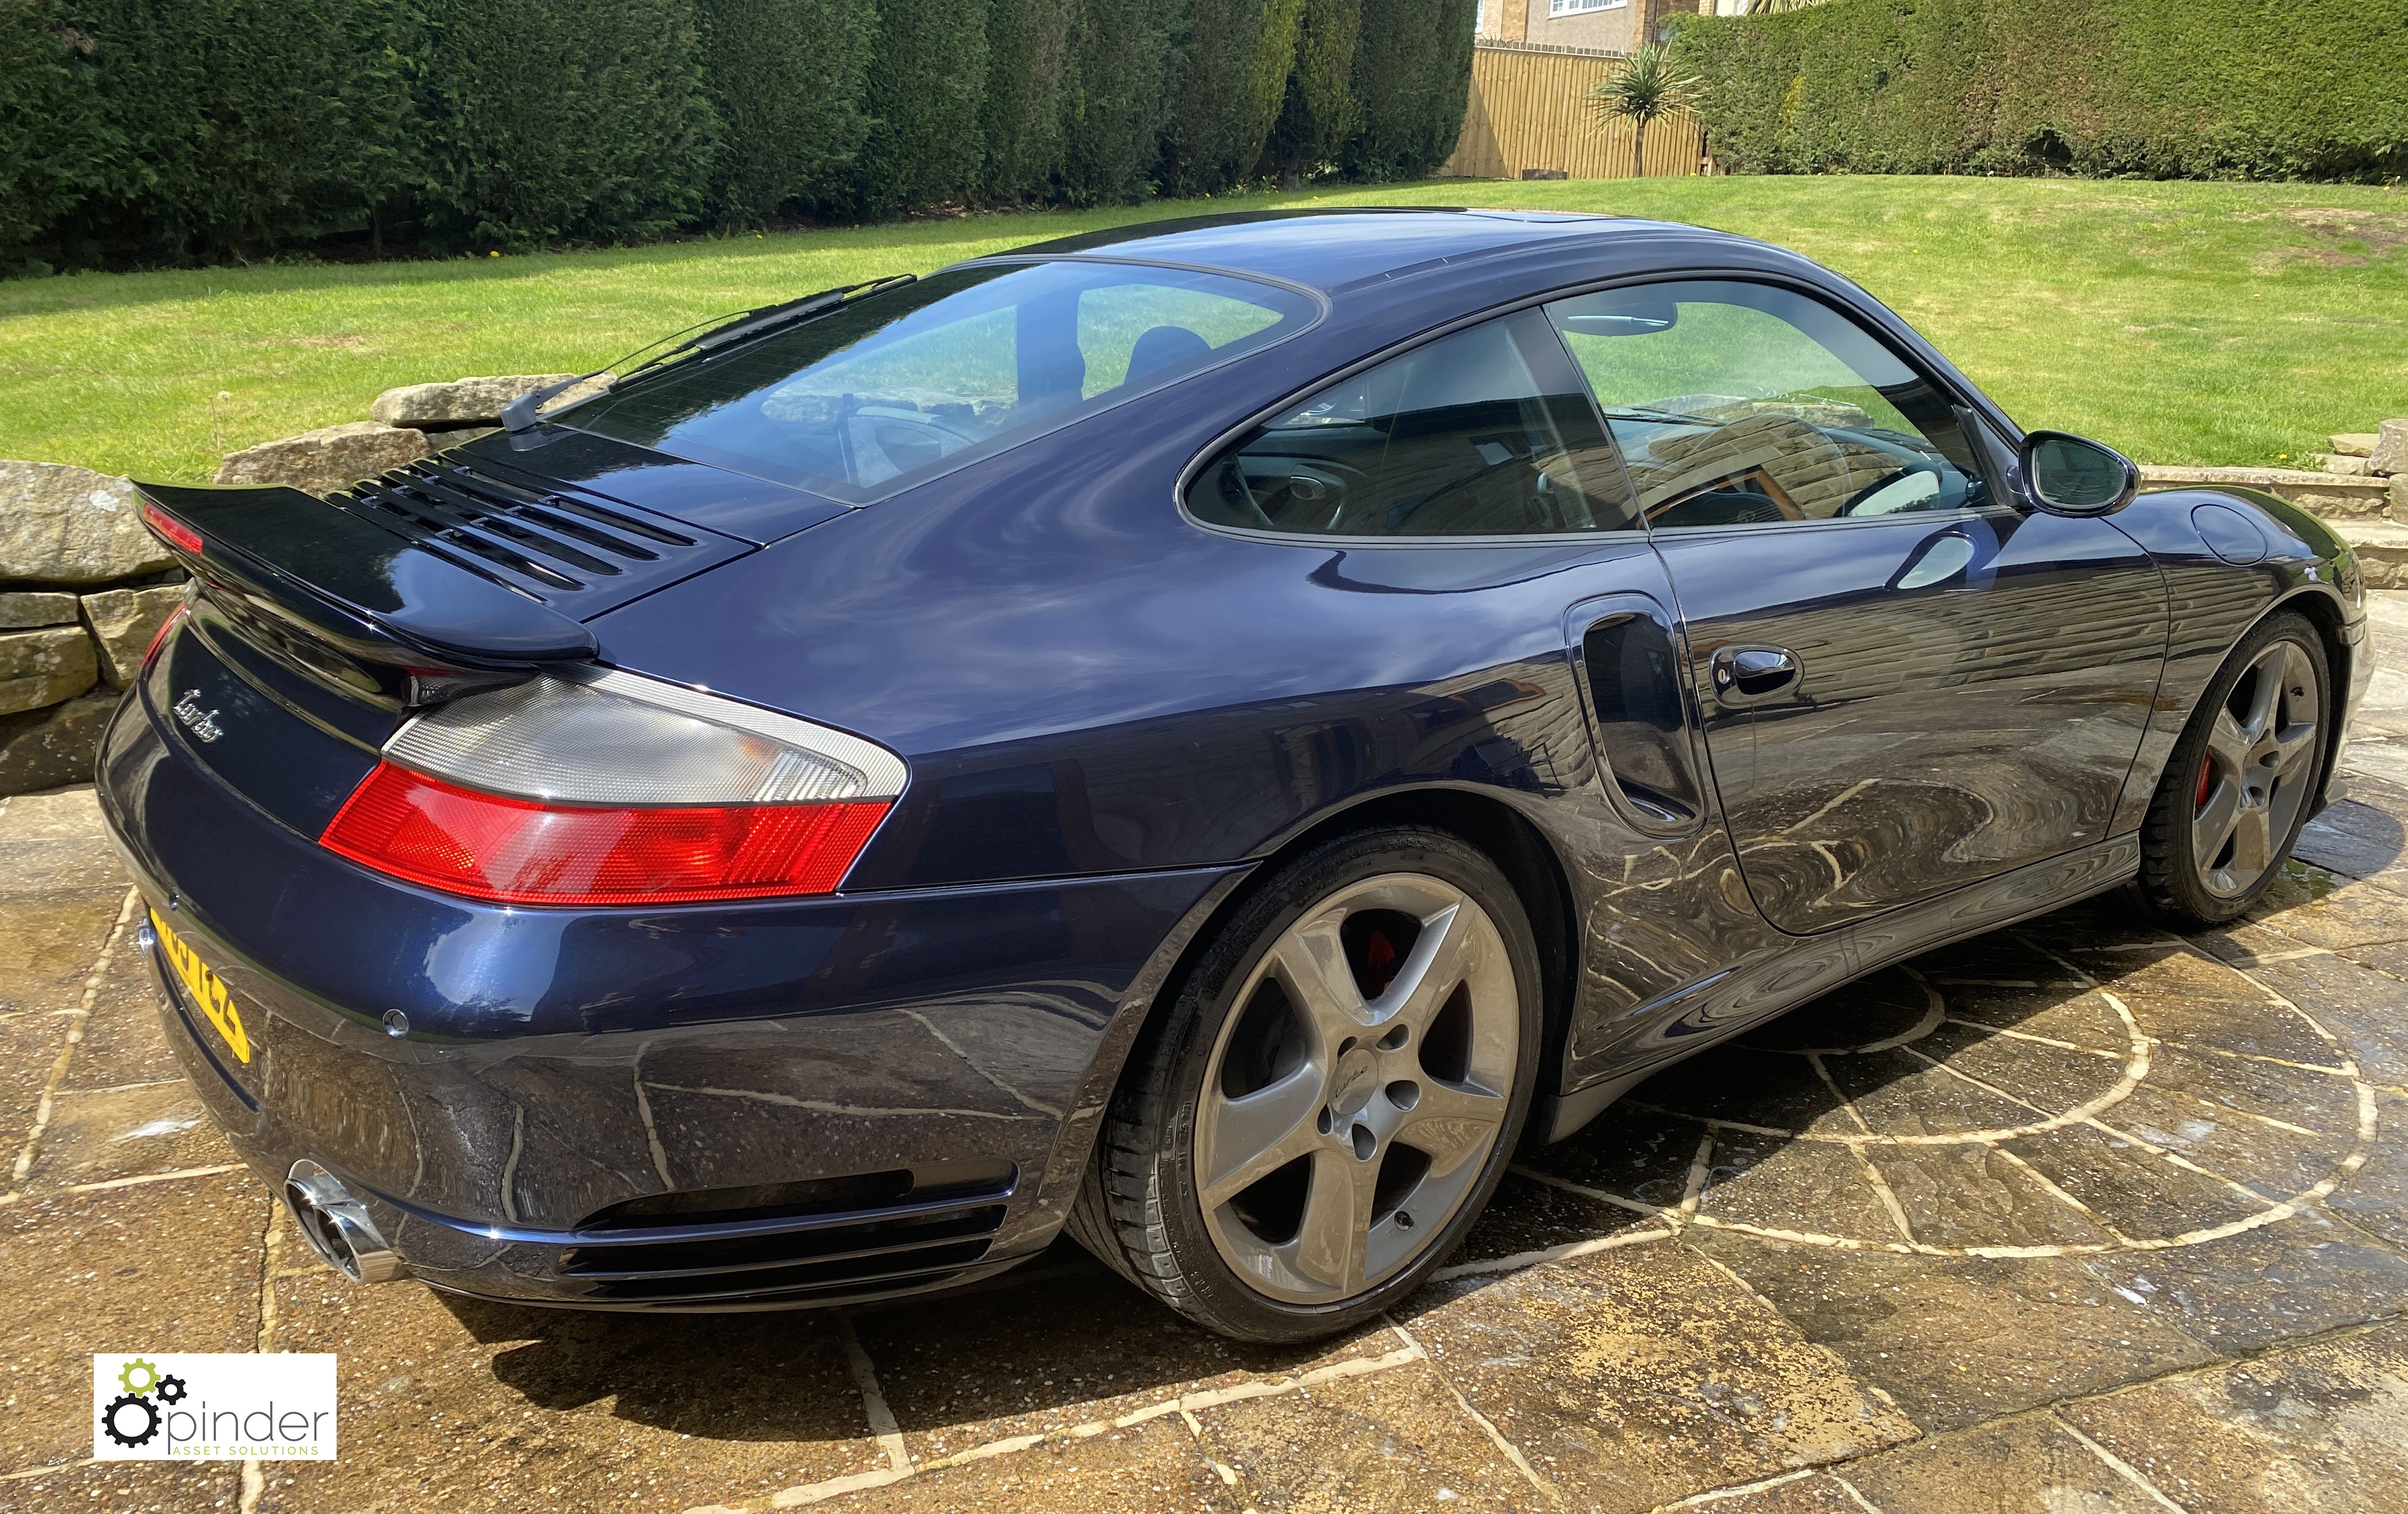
(119,1413)
(171,1390)
(142,1367)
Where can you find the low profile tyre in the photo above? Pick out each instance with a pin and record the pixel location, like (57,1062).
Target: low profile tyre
(2237,789)
(1331,1100)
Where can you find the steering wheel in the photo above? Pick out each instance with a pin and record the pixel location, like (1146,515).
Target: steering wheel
(1920,487)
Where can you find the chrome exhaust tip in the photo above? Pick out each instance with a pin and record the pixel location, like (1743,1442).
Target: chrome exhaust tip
(337,1227)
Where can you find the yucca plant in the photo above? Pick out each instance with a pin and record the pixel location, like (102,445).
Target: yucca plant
(1646,90)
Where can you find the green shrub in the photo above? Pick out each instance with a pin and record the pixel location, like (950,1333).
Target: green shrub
(1116,99)
(786,78)
(1318,112)
(2315,89)
(1232,81)
(1028,61)
(211,128)
(1411,80)
(56,146)
(927,76)
(545,122)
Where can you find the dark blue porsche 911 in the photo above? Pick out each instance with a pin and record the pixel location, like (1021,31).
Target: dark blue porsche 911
(1207,734)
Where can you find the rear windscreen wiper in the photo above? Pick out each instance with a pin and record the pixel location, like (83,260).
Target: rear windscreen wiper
(519,414)
(770,318)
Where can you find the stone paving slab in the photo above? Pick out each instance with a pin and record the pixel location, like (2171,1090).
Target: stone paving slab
(476,1404)
(1958,1340)
(2323,1429)
(2078,1216)
(108,1136)
(1155,1467)
(1628,1385)
(171,1266)
(2030,1463)
(1397,1440)
(1074,1348)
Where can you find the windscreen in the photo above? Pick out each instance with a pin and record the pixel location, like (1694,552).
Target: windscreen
(898,387)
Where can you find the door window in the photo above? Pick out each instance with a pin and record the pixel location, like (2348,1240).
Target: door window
(1738,404)
(1485,433)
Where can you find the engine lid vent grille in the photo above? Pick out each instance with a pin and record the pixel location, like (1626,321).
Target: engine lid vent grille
(580,555)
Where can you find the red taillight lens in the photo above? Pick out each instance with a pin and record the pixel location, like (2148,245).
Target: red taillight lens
(173,530)
(167,629)
(518,852)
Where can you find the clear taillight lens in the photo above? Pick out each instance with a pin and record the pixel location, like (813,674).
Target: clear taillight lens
(604,787)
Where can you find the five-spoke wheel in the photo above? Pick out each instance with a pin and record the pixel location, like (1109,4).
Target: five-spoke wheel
(2260,765)
(2237,789)
(1331,1099)
(1354,1097)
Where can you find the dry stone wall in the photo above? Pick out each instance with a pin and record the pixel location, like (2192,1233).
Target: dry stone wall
(84,587)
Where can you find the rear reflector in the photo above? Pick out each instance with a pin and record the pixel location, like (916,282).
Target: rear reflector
(591,787)
(516,852)
(173,530)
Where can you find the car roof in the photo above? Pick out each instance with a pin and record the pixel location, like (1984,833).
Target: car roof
(1336,249)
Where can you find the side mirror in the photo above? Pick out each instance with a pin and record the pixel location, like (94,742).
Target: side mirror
(2068,475)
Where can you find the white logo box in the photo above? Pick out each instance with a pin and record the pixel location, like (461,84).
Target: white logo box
(213,1407)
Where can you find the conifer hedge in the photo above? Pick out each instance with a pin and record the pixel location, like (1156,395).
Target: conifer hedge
(1028,62)
(927,78)
(148,132)
(2259,88)
(1233,80)
(1411,78)
(1116,98)
(542,121)
(58,151)
(1317,115)
(204,126)
(786,78)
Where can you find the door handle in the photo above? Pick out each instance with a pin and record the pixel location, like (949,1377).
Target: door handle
(1743,675)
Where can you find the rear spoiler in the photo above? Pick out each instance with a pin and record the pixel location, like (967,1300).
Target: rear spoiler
(303,578)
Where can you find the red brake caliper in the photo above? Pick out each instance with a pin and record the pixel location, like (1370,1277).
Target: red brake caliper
(2206,780)
(1379,962)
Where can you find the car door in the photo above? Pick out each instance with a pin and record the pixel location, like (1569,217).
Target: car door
(1906,684)
(1478,458)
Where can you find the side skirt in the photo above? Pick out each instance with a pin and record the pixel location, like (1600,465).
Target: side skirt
(1704,1015)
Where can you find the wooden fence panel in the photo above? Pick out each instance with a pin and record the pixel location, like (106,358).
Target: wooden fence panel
(1529,109)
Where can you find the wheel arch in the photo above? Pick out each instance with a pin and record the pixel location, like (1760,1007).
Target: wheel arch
(2323,610)
(1481,817)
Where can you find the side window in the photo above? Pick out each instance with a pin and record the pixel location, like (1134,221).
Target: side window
(1487,432)
(1739,404)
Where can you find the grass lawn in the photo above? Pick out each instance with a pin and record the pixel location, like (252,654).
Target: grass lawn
(2185,322)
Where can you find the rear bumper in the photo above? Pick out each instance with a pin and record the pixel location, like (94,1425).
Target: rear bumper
(917,1075)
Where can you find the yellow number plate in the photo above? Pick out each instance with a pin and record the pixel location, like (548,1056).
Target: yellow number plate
(207,989)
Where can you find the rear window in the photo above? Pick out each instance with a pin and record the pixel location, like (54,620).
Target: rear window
(894,389)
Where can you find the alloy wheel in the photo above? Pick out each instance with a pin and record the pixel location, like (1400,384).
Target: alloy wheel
(2257,770)
(1358,1089)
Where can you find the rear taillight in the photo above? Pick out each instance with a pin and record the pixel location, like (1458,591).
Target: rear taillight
(167,629)
(603,787)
